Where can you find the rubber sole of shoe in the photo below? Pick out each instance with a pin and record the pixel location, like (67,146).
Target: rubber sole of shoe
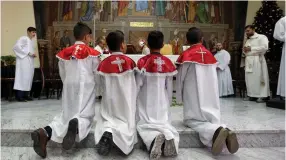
(69,139)
(170,148)
(37,146)
(219,142)
(232,143)
(156,150)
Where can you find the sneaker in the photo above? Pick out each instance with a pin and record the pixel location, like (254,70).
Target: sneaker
(219,138)
(156,150)
(231,142)
(69,139)
(170,148)
(105,144)
(40,139)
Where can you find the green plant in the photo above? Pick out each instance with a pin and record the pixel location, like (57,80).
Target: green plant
(175,104)
(8,60)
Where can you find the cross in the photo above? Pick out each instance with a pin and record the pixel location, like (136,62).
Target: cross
(77,48)
(119,62)
(201,52)
(159,63)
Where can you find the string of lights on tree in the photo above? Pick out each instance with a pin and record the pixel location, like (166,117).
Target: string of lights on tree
(264,22)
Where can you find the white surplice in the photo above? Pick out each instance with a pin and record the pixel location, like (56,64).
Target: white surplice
(154,100)
(280,35)
(98,88)
(78,96)
(99,49)
(256,72)
(145,50)
(197,88)
(24,64)
(223,73)
(117,110)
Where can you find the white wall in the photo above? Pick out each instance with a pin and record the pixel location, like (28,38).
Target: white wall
(16,17)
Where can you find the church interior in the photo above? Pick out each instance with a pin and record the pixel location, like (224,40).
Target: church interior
(260,129)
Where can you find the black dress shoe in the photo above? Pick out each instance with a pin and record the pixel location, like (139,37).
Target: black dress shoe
(105,144)
(69,139)
(29,99)
(21,100)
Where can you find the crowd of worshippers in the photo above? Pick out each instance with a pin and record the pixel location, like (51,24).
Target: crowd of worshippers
(136,97)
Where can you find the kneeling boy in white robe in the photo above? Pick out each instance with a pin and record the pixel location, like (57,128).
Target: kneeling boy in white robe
(197,88)
(225,86)
(116,122)
(77,67)
(155,83)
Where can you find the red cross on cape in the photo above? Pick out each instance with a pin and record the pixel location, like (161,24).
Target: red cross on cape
(156,63)
(77,51)
(116,64)
(197,54)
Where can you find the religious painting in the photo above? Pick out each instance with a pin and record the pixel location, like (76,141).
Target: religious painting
(67,12)
(86,10)
(141,8)
(177,40)
(99,33)
(136,36)
(211,38)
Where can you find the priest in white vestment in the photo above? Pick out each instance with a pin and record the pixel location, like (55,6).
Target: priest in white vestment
(145,48)
(25,54)
(100,44)
(280,35)
(77,67)
(225,86)
(197,89)
(116,121)
(256,72)
(155,85)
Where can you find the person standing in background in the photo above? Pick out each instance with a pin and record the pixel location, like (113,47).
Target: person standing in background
(223,72)
(100,44)
(25,54)
(256,72)
(279,34)
(65,40)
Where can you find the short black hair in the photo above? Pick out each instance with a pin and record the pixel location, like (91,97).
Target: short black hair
(249,26)
(31,29)
(194,35)
(155,40)
(114,40)
(80,30)
(120,32)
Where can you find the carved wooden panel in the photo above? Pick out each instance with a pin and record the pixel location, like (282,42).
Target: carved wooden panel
(135,36)
(181,35)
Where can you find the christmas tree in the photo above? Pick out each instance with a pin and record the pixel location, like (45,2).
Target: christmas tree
(264,22)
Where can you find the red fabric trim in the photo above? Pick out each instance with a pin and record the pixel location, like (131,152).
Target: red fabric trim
(78,51)
(116,64)
(193,54)
(150,64)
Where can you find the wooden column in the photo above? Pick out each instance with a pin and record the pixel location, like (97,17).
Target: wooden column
(42,48)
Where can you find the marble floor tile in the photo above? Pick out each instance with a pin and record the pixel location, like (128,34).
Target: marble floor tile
(24,153)
(239,115)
